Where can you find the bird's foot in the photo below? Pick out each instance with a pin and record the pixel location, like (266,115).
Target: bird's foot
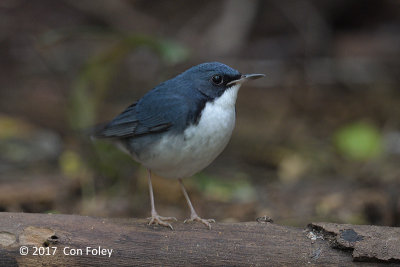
(160,220)
(196,218)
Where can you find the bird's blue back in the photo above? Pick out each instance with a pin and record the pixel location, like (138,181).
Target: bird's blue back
(171,106)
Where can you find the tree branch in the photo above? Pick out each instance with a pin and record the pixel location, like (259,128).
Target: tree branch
(133,242)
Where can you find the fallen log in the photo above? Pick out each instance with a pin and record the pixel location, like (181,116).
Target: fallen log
(72,240)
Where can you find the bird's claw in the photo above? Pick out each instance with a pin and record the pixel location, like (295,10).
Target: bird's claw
(206,222)
(160,220)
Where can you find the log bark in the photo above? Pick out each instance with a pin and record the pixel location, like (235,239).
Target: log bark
(133,242)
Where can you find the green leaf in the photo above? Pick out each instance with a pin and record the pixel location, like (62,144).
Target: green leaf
(359,141)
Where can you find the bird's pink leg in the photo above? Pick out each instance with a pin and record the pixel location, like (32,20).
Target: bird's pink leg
(155,218)
(193,214)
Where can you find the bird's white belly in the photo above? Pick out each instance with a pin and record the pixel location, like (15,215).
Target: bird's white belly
(186,154)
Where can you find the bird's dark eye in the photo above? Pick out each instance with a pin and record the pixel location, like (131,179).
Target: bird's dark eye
(217,79)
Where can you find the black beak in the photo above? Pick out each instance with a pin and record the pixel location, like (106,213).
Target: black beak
(246,77)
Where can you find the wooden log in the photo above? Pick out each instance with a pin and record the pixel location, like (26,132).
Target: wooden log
(52,239)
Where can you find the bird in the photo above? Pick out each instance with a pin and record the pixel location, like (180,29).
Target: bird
(179,127)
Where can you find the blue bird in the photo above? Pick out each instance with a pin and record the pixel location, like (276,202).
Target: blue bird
(179,127)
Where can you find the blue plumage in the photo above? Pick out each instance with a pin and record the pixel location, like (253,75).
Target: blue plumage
(172,105)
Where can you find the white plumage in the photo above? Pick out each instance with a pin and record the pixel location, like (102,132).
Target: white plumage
(184,155)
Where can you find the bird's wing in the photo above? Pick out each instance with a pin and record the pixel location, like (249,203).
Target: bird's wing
(124,125)
(154,113)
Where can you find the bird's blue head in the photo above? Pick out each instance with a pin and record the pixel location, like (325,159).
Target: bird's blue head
(211,79)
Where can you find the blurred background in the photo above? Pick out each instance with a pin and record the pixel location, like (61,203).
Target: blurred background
(318,139)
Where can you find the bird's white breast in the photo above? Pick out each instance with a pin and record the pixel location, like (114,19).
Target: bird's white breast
(184,155)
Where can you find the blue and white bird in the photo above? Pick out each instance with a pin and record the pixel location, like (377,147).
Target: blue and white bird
(180,126)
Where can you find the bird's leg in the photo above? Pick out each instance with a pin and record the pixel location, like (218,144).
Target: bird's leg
(193,214)
(155,218)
